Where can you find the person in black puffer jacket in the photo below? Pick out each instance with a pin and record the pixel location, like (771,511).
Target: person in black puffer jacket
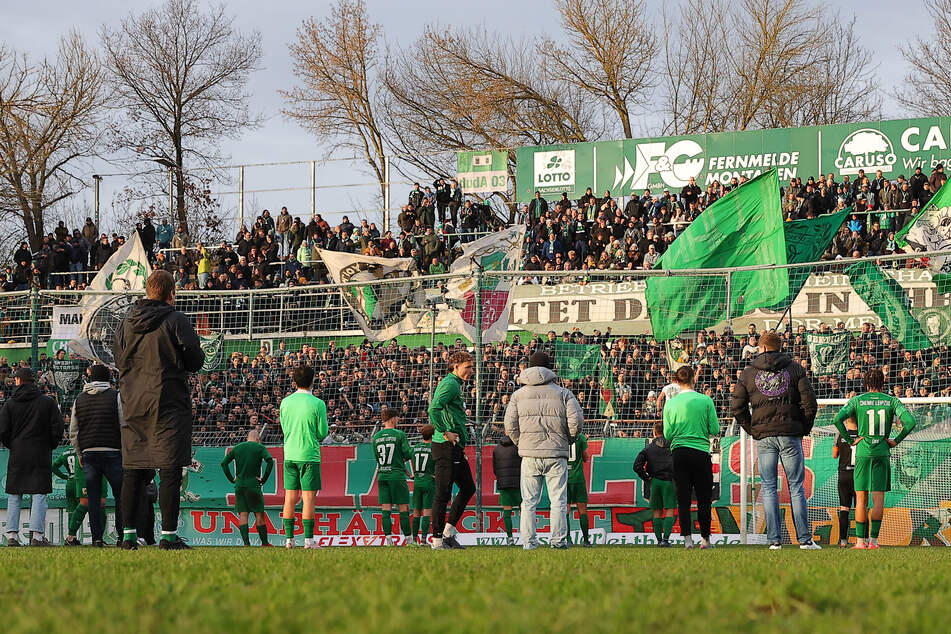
(508,480)
(655,466)
(783,405)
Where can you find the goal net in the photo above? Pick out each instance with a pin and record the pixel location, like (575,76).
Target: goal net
(918,507)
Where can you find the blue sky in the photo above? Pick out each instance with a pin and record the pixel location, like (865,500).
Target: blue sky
(35,27)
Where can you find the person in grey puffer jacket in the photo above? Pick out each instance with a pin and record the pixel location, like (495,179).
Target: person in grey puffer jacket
(543,419)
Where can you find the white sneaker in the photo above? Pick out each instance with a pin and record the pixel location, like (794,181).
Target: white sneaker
(810,545)
(775,546)
(688,542)
(437,543)
(311,545)
(288,543)
(449,530)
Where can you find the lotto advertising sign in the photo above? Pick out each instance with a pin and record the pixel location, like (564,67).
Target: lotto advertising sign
(632,165)
(348,514)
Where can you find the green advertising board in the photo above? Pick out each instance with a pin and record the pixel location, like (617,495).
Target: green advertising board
(482,172)
(895,147)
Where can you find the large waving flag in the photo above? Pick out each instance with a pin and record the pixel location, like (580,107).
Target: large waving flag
(382,310)
(890,302)
(743,228)
(126,270)
(930,230)
(499,251)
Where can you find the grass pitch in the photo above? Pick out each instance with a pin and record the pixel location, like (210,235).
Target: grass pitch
(610,589)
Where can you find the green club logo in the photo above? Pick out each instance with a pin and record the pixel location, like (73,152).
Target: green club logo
(553,162)
(118,279)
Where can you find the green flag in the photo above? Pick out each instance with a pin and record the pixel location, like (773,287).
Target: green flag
(829,352)
(606,382)
(576,361)
(930,230)
(743,228)
(806,241)
(890,302)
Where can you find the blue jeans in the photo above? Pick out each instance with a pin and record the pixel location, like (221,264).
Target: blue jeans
(788,450)
(97,464)
(554,472)
(37,514)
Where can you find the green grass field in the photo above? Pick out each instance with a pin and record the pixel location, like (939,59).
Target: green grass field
(609,589)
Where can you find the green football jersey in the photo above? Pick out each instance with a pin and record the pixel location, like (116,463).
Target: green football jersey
(66,464)
(247,457)
(424,471)
(576,459)
(392,451)
(875,412)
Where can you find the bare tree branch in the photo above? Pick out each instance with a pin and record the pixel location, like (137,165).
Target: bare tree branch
(926,90)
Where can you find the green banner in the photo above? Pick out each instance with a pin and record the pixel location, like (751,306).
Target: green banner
(890,302)
(895,147)
(829,352)
(576,361)
(482,172)
(743,228)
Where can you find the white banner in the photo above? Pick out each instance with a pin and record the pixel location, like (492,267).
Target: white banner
(382,310)
(500,251)
(67,322)
(126,270)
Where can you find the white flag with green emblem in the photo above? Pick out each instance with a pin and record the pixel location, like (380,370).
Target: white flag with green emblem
(829,352)
(127,270)
(383,310)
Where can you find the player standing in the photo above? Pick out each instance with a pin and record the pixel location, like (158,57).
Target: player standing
(247,481)
(578,486)
(392,450)
(304,423)
(846,455)
(655,466)
(67,467)
(424,484)
(874,413)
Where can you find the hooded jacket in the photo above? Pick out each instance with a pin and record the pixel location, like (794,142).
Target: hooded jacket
(542,417)
(155,349)
(779,394)
(30,426)
(507,465)
(655,461)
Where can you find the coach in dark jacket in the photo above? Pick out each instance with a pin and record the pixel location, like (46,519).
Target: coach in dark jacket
(94,432)
(507,466)
(783,406)
(30,427)
(155,349)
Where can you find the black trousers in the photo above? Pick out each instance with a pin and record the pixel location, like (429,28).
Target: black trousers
(451,467)
(693,475)
(134,484)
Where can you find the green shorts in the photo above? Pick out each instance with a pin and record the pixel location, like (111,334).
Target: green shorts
(873,474)
(510,497)
(423,494)
(577,492)
(248,500)
(301,476)
(393,491)
(79,486)
(663,495)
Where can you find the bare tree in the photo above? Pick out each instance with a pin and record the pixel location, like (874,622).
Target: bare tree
(927,86)
(50,118)
(610,53)
(765,63)
(180,78)
(335,60)
(469,88)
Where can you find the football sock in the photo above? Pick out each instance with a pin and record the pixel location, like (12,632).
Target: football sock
(415,528)
(289,528)
(308,529)
(658,524)
(876,528)
(169,536)
(404,523)
(76,519)
(583,518)
(262,533)
(129,534)
(507,521)
(387,523)
(843,526)
(424,527)
(668,526)
(243,529)
(861,530)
